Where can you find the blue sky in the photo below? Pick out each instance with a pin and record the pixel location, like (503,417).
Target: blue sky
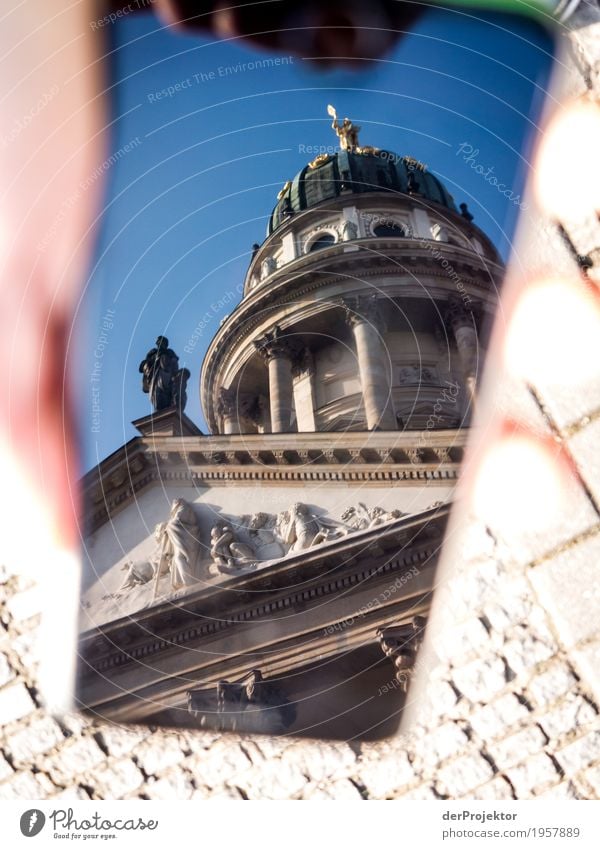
(195,188)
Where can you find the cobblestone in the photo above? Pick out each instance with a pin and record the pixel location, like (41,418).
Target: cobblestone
(177,785)
(592,777)
(462,775)
(587,661)
(443,743)
(513,749)
(118,779)
(551,684)
(271,780)
(26,785)
(15,703)
(5,768)
(6,672)
(526,649)
(119,741)
(387,775)
(221,763)
(480,680)
(573,712)
(343,790)
(77,756)
(37,738)
(154,756)
(533,775)
(499,788)
(584,449)
(568,587)
(580,753)
(498,717)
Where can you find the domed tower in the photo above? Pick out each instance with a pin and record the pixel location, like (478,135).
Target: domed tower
(365,301)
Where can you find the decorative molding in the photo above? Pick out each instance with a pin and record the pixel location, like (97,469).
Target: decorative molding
(274,344)
(401,643)
(358,457)
(363,308)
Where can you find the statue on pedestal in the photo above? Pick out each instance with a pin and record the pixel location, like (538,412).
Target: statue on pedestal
(162,378)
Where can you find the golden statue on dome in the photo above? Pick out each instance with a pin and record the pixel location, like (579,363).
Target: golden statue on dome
(346,131)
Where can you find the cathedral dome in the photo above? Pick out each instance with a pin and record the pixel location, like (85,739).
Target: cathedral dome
(370,170)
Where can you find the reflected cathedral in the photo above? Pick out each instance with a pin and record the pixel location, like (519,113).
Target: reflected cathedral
(276,574)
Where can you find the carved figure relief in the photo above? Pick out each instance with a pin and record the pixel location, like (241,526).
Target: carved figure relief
(179,541)
(361,517)
(229,555)
(301,529)
(136,573)
(261,528)
(237,546)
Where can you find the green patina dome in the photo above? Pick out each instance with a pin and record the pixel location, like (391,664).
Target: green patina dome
(377,171)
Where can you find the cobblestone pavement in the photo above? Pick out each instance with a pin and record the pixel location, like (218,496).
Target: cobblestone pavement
(512,709)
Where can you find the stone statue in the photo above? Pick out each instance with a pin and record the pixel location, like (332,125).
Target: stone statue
(162,378)
(464,211)
(349,231)
(347,132)
(268,266)
(179,541)
(229,556)
(261,528)
(301,529)
(178,389)
(362,517)
(137,573)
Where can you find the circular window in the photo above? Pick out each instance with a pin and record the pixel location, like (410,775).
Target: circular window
(324,241)
(387,231)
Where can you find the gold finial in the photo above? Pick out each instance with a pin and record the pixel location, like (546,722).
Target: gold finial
(321,159)
(346,131)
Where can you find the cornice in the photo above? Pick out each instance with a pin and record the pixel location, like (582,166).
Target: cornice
(411,457)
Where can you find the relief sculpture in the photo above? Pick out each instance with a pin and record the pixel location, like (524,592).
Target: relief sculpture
(178,542)
(238,546)
(301,529)
(229,555)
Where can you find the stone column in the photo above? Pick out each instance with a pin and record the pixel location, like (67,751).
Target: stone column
(278,354)
(363,316)
(303,372)
(227,408)
(461,320)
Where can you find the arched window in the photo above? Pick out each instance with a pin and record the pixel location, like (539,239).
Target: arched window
(386,231)
(324,241)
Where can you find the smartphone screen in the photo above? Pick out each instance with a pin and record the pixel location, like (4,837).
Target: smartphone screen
(280,344)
